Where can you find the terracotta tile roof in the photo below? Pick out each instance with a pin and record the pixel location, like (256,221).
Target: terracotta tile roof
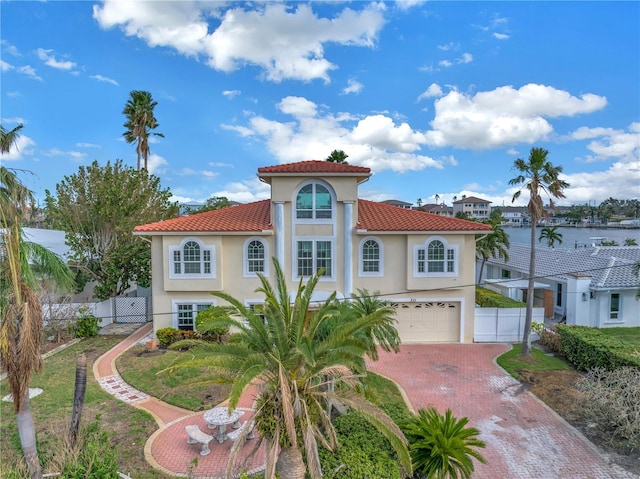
(379,217)
(247,217)
(305,167)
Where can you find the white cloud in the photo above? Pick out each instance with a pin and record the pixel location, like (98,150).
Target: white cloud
(449,46)
(611,143)
(155,164)
(77,155)
(465,58)
(5,67)
(287,42)
(13,94)
(231,93)
(407,4)
(10,49)
(374,141)
(504,116)
(104,79)
(246,191)
(500,36)
(22,147)
(87,145)
(192,172)
(433,91)
(353,86)
(29,71)
(445,63)
(51,61)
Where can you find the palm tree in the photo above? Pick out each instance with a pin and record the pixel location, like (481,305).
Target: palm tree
(289,354)
(22,319)
(443,446)
(492,245)
(9,138)
(537,175)
(630,242)
(140,122)
(551,235)
(338,156)
(437,198)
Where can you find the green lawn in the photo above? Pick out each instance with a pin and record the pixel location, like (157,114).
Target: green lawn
(512,362)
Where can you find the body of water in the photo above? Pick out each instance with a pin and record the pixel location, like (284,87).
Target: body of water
(572,236)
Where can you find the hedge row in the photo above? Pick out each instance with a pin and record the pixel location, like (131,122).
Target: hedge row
(490,299)
(588,348)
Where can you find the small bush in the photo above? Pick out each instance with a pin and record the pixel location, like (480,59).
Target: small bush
(551,339)
(169,336)
(612,399)
(208,331)
(86,325)
(165,336)
(490,299)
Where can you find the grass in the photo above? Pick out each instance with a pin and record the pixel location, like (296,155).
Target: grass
(129,428)
(514,363)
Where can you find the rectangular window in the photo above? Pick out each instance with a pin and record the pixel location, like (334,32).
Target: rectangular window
(176,263)
(313,256)
(421,257)
(559,294)
(506,274)
(614,310)
(450,261)
(187,315)
(207,261)
(305,258)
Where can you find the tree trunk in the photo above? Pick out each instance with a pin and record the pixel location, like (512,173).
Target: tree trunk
(27,434)
(290,463)
(78,397)
(526,337)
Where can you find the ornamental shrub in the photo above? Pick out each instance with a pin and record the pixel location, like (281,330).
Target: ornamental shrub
(86,325)
(166,336)
(490,299)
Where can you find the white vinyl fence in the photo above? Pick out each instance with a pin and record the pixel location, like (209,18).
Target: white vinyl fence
(502,325)
(112,310)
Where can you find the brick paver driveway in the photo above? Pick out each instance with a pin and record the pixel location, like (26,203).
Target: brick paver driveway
(525,439)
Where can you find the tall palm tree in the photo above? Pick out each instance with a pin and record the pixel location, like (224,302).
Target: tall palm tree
(21,322)
(492,245)
(338,156)
(140,122)
(537,175)
(288,352)
(551,235)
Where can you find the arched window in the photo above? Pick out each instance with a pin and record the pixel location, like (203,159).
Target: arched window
(436,258)
(314,202)
(370,257)
(255,257)
(192,259)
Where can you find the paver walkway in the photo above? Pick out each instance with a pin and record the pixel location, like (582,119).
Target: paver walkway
(167,448)
(524,438)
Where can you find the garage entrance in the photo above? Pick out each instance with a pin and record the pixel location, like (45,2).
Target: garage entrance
(428,322)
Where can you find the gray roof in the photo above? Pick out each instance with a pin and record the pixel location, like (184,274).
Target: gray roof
(610,267)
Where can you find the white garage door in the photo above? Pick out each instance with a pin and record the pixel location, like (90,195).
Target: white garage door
(433,322)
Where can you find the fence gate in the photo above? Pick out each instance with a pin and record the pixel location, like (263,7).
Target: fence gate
(131,309)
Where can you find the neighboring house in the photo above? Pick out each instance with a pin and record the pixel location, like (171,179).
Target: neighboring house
(441,209)
(398,203)
(423,264)
(592,286)
(476,208)
(514,215)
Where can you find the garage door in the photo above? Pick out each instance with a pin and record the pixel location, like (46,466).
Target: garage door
(434,322)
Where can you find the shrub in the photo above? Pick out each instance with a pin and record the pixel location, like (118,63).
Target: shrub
(490,299)
(363,453)
(169,336)
(166,336)
(588,348)
(442,446)
(86,325)
(551,339)
(208,331)
(612,399)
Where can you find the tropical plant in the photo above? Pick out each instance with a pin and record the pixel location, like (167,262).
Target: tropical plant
(281,348)
(21,324)
(538,175)
(442,447)
(492,245)
(551,235)
(338,156)
(630,242)
(99,207)
(9,138)
(140,121)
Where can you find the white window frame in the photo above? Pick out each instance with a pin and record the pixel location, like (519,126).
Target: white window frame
(448,249)
(313,219)
(251,304)
(245,258)
(361,259)
(314,258)
(194,303)
(180,249)
(615,316)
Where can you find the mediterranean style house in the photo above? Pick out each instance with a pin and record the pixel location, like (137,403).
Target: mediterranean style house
(423,264)
(475,208)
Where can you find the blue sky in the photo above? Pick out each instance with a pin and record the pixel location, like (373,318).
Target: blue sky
(434,97)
